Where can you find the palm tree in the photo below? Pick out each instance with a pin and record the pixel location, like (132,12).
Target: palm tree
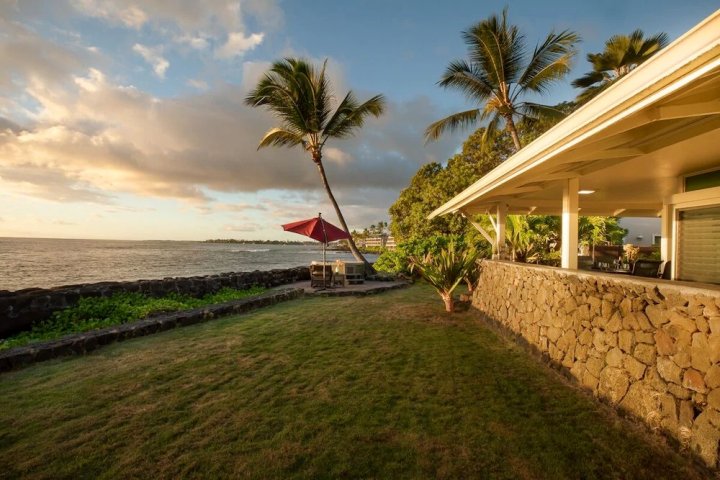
(301,98)
(498,73)
(621,55)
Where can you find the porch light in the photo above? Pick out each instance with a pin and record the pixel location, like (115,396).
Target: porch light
(586,192)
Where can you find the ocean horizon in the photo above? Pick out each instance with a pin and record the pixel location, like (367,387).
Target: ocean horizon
(52,262)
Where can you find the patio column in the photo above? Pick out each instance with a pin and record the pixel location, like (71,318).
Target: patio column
(569,241)
(501,214)
(666,232)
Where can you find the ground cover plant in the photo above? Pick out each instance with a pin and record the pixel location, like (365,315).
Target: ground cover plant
(387,386)
(92,313)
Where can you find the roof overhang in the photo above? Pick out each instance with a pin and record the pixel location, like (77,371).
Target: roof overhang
(629,145)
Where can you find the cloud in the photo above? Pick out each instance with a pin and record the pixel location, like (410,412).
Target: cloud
(153,56)
(237,44)
(245,227)
(196,83)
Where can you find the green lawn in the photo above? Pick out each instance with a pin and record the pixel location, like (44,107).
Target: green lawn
(386,386)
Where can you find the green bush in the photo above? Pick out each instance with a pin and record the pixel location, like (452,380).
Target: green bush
(398,261)
(92,313)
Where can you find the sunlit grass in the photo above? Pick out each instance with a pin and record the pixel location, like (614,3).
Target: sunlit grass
(375,387)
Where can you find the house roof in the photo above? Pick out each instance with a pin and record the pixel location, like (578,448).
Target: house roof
(629,144)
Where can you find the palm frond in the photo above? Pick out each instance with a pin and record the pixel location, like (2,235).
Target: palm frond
(350,116)
(278,137)
(469,79)
(550,61)
(452,122)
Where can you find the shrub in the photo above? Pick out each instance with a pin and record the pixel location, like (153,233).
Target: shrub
(92,313)
(398,261)
(445,269)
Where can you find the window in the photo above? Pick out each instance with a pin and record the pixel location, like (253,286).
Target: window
(656,240)
(698,247)
(702,180)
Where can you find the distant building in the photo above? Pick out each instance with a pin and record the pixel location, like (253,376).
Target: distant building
(642,231)
(380,241)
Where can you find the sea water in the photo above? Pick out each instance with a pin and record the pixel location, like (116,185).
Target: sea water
(36,262)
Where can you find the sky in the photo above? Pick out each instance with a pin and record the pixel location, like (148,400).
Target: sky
(124,119)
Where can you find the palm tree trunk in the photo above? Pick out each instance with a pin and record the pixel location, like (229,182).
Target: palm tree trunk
(510,123)
(353,248)
(449,301)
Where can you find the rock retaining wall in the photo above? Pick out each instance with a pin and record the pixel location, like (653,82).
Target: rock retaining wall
(650,347)
(20,309)
(82,343)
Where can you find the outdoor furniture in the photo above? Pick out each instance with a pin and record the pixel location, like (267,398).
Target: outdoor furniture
(646,268)
(317,279)
(354,272)
(585,262)
(665,270)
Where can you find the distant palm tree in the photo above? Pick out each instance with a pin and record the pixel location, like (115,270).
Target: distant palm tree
(300,96)
(621,55)
(498,73)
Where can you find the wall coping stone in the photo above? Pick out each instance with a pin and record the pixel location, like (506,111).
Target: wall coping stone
(672,286)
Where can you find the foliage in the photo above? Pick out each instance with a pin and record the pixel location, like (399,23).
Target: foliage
(499,72)
(621,55)
(444,270)
(301,97)
(92,313)
(631,253)
(398,261)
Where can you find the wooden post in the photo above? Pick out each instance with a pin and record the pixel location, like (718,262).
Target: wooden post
(666,235)
(569,252)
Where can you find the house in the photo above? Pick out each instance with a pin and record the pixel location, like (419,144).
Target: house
(648,146)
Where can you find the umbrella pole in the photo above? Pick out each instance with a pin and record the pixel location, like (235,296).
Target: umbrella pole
(324,245)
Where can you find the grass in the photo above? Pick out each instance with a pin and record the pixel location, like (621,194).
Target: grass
(99,312)
(376,387)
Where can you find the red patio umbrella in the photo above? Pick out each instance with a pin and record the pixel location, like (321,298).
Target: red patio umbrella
(317,229)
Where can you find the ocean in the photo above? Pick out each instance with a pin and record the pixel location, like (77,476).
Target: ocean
(43,262)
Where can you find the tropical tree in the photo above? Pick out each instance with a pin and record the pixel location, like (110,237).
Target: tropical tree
(301,98)
(621,55)
(499,73)
(445,269)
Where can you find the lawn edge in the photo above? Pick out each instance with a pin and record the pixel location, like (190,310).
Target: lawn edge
(82,343)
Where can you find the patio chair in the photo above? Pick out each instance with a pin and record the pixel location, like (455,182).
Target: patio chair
(585,262)
(646,268)
(664,271)
(316,276)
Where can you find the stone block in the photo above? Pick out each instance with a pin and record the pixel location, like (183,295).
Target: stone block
(664,343)
(613,384)
(626,341)
(668,370)
(644,337)
(595,365)
(614,357)
(645,353)
(686,413)
(700,352)
(713,399)
(706,436)
(693,380)
(682,321)
(656,315)
(668,412)
(712,377)
(635,368)
(682,359)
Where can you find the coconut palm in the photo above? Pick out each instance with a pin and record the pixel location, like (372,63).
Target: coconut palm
(621,55)
(301,97)
(499,73)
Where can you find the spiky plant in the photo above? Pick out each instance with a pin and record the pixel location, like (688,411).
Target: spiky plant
(301,98)
(446,269)
(499,73)
(621,55)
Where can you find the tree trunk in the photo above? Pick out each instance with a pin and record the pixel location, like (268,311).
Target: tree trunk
(510,123)
(351,242)
(449,302)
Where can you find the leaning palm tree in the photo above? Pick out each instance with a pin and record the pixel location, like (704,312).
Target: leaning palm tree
(300,96)
(621,55)
(498,74)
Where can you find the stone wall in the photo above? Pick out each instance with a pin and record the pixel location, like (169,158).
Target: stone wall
(20,309)
(650,347)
